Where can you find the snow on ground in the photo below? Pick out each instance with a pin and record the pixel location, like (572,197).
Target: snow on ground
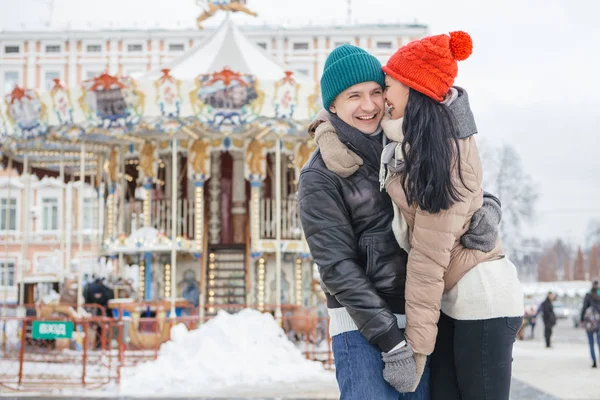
(244,350)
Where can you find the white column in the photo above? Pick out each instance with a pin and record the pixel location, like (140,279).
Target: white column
(155,54)
(175,224)
(72,60)
(5,264)
(31,63)
(69,222)
(214,222)
(280,49)
(122,189)
(113,57)
(26,215)
(80,226)
(63,214)
(238,198)
(278,229)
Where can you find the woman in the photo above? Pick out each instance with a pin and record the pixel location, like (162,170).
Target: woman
(463,306)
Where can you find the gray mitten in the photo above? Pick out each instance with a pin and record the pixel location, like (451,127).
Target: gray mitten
(483,231)
(400,369)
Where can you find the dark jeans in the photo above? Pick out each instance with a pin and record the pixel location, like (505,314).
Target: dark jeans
(359,371)
(472,360)
(590,336)
(548,334)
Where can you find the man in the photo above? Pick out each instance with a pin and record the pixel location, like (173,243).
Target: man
(347,223)
(548,317)
(98,293)
(590,319)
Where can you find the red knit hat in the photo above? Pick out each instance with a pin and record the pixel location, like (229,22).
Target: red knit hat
(429,65)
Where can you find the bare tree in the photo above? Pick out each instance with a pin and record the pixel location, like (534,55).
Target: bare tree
(579,267)
(564,256)
(594,257)
(593,234)
(548,266)
(505,177)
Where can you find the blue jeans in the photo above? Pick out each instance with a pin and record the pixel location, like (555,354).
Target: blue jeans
(359,371)
(591,340)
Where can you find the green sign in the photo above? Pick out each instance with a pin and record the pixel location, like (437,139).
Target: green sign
(52,330)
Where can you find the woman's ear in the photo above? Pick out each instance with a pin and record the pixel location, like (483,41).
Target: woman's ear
(332,109)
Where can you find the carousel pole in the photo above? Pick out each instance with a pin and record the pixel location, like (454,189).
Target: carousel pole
(100,204)
(174,224)
(26,230)
(5,263)
(278,313)
(63,213)
(122,190)
(80,226)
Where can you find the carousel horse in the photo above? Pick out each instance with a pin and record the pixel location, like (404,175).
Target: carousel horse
(149,340)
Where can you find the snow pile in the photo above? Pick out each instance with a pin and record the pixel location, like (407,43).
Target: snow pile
(247,349)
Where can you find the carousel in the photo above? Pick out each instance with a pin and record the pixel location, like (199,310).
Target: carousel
(194,165)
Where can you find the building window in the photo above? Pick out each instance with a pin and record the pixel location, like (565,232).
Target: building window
(262,44)
(338,44)
(49,77)
(12,49)
(12,210)
(301,46)
(50,214)
(53,48)
(134,48)
(88,213)
(303,71)
(384,45)
(11,79)
(94,48)
(176,47)
(8,279)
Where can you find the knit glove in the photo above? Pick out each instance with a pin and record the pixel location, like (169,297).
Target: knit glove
(321,117)
(420,361)
(400,369)
(483,231)
(337,156)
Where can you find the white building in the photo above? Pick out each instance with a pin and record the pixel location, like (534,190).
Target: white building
(32,59)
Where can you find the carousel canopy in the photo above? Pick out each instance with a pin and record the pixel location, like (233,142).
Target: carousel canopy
(227,47)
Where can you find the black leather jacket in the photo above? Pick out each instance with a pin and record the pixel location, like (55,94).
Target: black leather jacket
(347,224)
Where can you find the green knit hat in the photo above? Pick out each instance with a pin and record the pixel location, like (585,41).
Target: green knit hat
(346,66)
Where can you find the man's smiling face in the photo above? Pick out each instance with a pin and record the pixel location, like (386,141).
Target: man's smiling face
(360,106)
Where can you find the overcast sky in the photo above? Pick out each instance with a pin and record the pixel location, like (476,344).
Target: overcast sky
(533,78)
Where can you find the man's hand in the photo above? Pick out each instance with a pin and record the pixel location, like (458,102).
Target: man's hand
(400,369)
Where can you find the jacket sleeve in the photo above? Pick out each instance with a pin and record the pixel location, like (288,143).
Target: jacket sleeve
(433,238)
(333,246)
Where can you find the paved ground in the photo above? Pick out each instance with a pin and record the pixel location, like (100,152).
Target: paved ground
(560,373)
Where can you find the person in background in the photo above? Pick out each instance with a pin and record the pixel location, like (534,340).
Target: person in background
(549,318)
(590,319)
(533,312)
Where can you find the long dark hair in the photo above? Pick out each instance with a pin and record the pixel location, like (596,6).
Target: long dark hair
(430,150)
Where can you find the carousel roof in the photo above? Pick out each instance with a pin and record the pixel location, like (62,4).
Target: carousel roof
(227,47)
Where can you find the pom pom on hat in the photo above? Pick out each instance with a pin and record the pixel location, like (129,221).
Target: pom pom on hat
(461,45)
